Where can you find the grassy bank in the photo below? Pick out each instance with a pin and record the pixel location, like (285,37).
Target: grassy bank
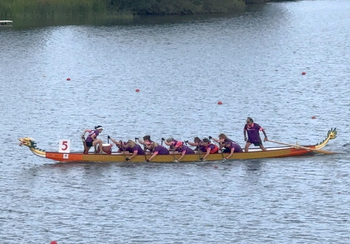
(28,9)
(51,9)
(179,7)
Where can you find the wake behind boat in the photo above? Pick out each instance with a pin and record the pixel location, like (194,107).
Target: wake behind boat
(287,150)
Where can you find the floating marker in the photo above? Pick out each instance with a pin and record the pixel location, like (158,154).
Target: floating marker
(304,73)
(219,102)
(53,242)
(313,117)
(68,79)
(137,90)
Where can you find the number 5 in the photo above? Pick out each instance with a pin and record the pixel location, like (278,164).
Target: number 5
(64,146)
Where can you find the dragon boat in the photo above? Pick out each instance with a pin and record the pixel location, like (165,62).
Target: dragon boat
(287,150)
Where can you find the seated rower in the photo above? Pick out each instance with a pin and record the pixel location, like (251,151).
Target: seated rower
(233,147)
(145,142)
(209,147)
(173,144)
(120,144)
(133,148)
(92,140)
(222,140)
(197,142)
(183,149)
(157,149)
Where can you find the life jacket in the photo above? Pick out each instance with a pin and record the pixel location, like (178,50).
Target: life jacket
(175,144)
(213,150)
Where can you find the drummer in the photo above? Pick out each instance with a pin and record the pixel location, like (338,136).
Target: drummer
(92,139)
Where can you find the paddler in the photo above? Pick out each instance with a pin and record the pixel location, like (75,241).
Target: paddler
(209,147)
(157,150)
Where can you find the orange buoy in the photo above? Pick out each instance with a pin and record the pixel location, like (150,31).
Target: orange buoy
(219,102)
(137,90)
(303,73)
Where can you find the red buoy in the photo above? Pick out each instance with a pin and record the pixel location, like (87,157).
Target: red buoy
(313,117)
(68,79)
(219,102)
(53,242)
(304,73)
(137,90)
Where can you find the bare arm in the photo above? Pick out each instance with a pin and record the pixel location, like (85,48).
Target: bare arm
(193,143)
(153,155)
(182,155)
(83,135)
(206,155)
(134,154)
(231,153)
(265,139)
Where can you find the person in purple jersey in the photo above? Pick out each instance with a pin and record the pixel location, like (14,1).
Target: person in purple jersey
(133,148)
(145,142)
(183,150)
(120,144)
(253,129)
(173,144)
(222,140)
(210,148)
(233,147)
(92,140)
(157,150)
(197,142)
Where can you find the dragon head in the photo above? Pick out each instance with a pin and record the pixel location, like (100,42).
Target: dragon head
(332,133)
(27,141)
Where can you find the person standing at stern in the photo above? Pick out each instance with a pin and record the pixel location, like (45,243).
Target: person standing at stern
(253,131)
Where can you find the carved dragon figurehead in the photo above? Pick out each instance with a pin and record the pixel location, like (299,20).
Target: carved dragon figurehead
(332,134)
(27,141)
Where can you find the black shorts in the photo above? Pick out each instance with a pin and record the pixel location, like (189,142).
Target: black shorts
(89,144)
(256,143)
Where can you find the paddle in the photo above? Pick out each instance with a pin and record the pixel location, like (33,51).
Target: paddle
(307,148)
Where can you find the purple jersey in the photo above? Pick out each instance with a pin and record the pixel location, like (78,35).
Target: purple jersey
(253,133)
(161,150)
(93,132)
(230,145)
(185,148)
(136,147)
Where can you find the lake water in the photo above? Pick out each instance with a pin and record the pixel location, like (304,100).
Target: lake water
(252,62)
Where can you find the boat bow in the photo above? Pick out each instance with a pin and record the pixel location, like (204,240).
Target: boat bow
(332,134)
(30,142)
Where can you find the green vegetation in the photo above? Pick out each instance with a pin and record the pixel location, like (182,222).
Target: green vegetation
(178,7)
(52,9)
